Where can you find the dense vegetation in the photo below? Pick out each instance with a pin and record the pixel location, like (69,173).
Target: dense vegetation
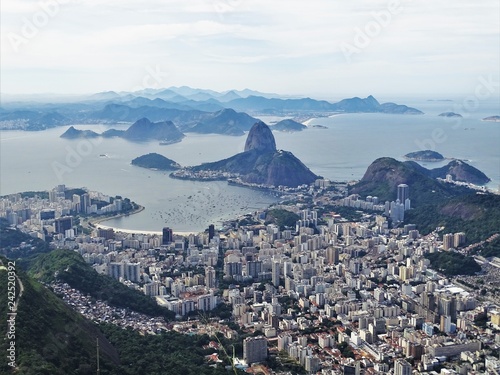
(490,249)
(169,353)
(282,218)
(69,266)
(156,161)
(50,338)
(31,194)
(453,264)
(477,215)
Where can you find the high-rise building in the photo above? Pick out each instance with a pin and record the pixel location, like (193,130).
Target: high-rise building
(62,224)
(276,274)
(254,349)
(402,367)
(108,234)
(132,271)
(84,203)
(403,193)
(211,231)
(232,269)
(448,241)
(253,268)
(167,236)
(116,270)
(458,239)
(332,255)
(210,277)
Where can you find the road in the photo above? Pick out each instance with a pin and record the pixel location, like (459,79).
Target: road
(21,289)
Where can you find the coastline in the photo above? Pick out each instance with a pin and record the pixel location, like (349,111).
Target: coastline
(100,220)
(97,225)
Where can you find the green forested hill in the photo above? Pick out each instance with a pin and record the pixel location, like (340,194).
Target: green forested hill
(51,338)
(477,215)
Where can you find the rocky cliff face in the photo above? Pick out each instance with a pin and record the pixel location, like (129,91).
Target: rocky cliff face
(260,138)
(261,163)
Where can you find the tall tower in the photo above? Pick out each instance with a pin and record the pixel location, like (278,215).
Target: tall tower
(276,274)
(209,277)
(211,231)
(167,236)
(403,193)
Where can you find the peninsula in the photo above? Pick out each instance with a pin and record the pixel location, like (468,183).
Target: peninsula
(260,164)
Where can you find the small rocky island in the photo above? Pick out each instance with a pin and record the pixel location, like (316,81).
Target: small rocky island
(288,125)
(450,114)
(425,155)
(155,161)
(492,119)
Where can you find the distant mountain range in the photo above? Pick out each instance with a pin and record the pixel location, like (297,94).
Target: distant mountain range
(196,110)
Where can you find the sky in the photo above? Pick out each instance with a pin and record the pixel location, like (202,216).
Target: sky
(326,49)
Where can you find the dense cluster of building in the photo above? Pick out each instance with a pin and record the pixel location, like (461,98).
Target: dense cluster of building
(54,215)
(309,291)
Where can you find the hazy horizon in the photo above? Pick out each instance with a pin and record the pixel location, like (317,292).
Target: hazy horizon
(322,50)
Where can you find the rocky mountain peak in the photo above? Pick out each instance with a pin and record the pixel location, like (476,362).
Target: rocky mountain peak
(260,138)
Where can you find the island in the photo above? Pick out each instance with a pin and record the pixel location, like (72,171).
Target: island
(450,114)
(155,161)
(288,125)
(492,119)
(425,155)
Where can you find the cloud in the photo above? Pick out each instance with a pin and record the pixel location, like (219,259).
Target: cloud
(290,41)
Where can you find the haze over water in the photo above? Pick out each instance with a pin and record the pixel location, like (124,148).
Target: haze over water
(341,152)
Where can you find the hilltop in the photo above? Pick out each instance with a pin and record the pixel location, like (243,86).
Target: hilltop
(384,175)
(225,121)
(461,171)
(144,129)
(141,130)
(73,133)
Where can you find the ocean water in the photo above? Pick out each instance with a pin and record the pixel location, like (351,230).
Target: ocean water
(341,152)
